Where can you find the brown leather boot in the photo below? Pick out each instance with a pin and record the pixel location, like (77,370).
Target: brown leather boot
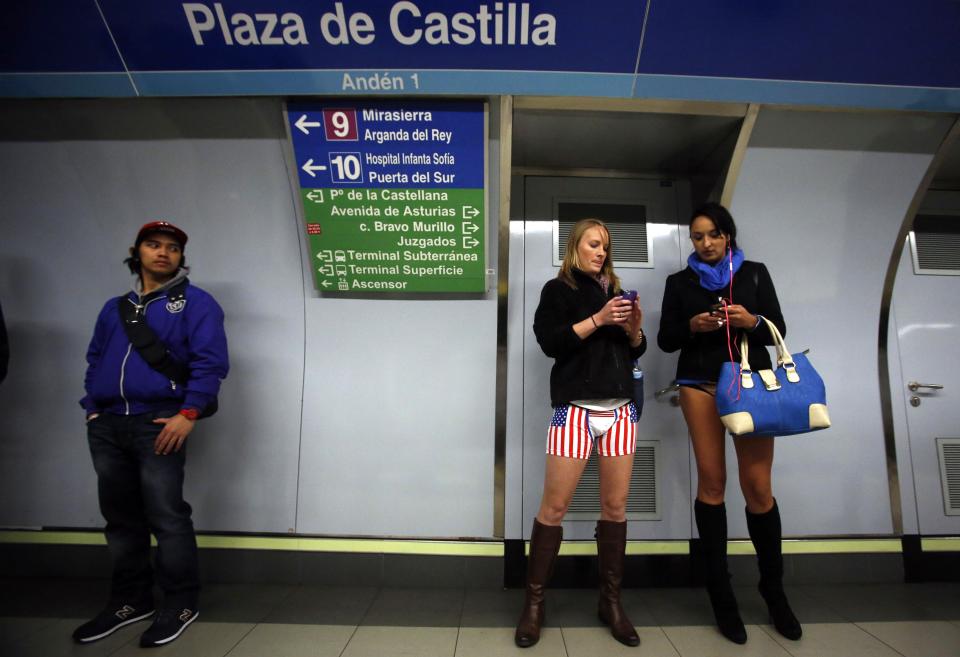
(544,545)
(611,545)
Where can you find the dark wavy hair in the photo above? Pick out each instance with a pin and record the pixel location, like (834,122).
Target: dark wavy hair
(720,217)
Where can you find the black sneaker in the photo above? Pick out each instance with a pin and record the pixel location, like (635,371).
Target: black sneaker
(110,620)
(167,626)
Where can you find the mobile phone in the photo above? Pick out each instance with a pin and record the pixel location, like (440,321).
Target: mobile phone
(718,306)
(629,295)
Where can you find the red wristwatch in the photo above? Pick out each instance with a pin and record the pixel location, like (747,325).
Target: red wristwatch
(190,413)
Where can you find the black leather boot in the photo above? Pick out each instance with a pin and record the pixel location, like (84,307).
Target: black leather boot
(765,532)
(611,546)
(712,525)
(544,546)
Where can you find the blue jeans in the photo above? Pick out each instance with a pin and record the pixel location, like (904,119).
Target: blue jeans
(141,492)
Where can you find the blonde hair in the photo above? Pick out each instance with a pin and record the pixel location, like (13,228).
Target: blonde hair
(571,258)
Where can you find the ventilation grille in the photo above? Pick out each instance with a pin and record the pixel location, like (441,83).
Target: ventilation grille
(949,450)
(627,224)
(643,499)
(936,245)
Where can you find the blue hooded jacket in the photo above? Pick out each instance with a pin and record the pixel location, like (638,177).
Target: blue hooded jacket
(119,381)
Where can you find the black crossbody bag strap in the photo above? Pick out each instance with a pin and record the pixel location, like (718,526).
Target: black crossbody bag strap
(146,342)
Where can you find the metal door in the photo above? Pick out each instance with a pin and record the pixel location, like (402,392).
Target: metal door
(926,309)
(661,430)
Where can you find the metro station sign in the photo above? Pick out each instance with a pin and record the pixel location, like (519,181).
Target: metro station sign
(393,194)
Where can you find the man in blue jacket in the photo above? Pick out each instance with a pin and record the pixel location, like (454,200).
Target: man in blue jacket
(138,421)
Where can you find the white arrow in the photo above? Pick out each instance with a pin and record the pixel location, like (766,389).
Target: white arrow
(316,195)
(470,212)
(469,242)
(310,167)
(469,228)
(325,284)
(303,124)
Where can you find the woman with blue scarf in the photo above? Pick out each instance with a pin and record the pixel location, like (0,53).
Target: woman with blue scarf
(706,308)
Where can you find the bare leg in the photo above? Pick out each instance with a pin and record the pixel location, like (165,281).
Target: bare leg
(559,483)
(615,474)
(707,436)
(755,462)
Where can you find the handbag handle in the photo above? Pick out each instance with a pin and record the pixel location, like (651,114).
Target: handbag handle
(784,359)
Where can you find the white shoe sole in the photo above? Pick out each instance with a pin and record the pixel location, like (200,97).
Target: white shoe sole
(113,629)
(161,642)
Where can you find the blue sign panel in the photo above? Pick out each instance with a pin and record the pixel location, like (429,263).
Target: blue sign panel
(856,41)
(45,44)
(426,145)
(394,194)
(861,53)
(235,35)
(310,47)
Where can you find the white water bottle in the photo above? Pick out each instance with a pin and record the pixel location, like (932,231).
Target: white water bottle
(638,386)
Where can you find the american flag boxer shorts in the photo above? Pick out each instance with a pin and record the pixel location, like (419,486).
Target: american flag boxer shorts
(573,429)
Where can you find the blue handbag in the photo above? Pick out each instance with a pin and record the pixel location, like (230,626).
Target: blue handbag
(790,399)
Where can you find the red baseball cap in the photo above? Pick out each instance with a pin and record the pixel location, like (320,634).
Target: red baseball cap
(161,227)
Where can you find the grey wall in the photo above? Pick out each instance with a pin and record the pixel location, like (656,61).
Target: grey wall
(399,409)
(340,416)
(915,464)
(820,199)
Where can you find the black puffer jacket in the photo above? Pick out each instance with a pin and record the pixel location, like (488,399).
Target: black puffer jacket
(703,354)
(597,367)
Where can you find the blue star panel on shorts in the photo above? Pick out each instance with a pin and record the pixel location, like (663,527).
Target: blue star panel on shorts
(559,416)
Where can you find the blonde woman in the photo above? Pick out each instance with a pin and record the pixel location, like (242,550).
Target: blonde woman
(594,334)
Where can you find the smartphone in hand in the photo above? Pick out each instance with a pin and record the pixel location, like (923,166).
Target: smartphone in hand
(719,305)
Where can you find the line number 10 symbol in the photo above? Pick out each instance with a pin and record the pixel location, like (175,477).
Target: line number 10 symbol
(345,167)
(340,124)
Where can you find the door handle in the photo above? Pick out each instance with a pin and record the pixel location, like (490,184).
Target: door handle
(914,386)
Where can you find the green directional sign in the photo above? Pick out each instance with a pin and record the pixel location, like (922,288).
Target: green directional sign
(393,194)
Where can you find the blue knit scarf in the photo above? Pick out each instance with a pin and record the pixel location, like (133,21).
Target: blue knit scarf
(717,276)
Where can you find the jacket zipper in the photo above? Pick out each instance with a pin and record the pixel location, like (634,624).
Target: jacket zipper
(616,358)
(123,371)
(616,352)
(123,365)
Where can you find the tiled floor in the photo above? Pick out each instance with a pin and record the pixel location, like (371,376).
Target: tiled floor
(909,620)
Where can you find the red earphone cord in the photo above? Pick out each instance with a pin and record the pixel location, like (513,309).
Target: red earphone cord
(731,345)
